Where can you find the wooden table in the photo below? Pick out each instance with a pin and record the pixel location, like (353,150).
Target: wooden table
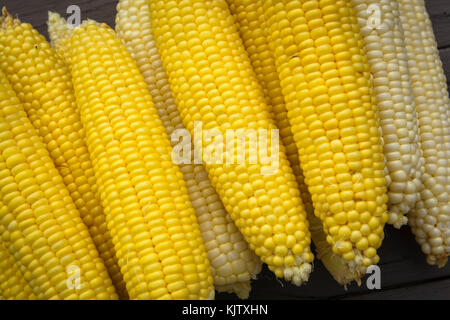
(404,272)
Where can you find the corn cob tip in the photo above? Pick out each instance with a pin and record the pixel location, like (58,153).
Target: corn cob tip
(52,16)
(88,22)
(396,219)
(341,271)
(6,19)
(298,275)
(55,18)
(439,261)
(241,289)
(58,28)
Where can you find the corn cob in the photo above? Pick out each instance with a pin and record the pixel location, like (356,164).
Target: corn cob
(250,20)
(233,263)
(158,241)
(388,61)
(42,226)
(252,26)
(212,81)
(42,83)
(326,83)
(12,283)
(430,219)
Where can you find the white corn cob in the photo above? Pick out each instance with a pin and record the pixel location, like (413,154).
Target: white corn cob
(383,40)
(430,220)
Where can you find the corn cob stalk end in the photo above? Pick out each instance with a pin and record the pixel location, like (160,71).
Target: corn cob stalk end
(336,265)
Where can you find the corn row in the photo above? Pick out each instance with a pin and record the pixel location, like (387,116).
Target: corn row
(249,16)
(233,263)
(42,226)
(326,84)
(213,83)
(430,219)
(50,105)
(387,58)
(158,240)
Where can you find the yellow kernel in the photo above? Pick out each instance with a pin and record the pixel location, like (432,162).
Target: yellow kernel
(374,240)
(341,218)
(365,229)
(344,232)
(366,262)
(355,236)
(278,261)
(269,243)
(362,244)
(297,249)
(349,256)
(266,230)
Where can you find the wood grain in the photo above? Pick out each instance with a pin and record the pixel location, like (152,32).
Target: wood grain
(433,290)
(404,272)
(439,11)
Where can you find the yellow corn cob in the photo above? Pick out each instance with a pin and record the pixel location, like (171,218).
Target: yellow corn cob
(388,63)
(42,227)
(59,32)
(250,20)
(233,263)
(42,83)
(328,93)
(12,283)
(252,25)
(430,220)
(154,228)
(212,81)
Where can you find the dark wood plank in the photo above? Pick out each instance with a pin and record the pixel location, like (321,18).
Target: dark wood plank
(402,263)
(436,290)
(36,11)
(439,11)
(445,57)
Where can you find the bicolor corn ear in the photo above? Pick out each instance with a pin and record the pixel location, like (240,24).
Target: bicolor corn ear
(388,61)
